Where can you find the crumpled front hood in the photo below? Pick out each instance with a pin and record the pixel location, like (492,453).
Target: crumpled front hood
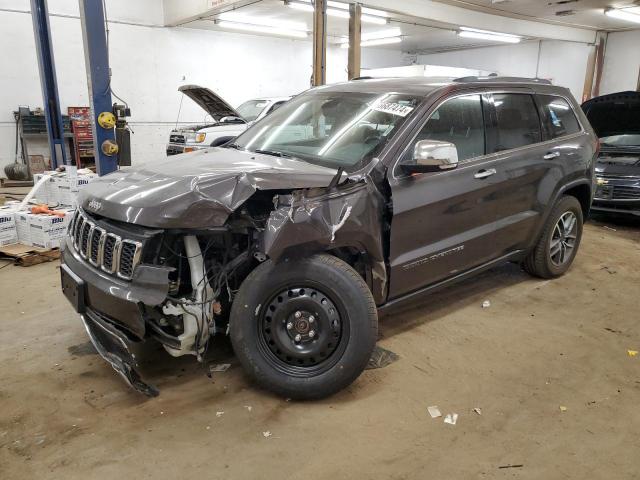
(197,189)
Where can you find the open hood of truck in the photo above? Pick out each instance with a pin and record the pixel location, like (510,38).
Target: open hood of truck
(614,114)
(210,101)
(195,190)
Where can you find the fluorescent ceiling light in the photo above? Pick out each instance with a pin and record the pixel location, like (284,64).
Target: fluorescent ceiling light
(247,27)
(373,43)
(389,32)
(262,21)
(626,14)
(467,32)
(341,10)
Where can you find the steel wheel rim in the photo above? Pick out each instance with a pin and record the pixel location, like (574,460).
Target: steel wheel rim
(563,239)
(293,344)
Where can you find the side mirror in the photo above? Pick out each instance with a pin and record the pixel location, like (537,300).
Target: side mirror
(432,156)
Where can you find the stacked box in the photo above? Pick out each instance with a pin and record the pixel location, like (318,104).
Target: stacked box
(22,227)
(8,232)
(46,231)
(47,193)
(69,187)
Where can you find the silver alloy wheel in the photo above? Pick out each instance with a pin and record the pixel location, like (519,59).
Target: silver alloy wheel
(563,240)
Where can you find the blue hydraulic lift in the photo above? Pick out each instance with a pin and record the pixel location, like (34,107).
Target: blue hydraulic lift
(98,78)
(44,49)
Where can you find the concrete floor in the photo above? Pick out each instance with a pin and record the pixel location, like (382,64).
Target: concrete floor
(539,346)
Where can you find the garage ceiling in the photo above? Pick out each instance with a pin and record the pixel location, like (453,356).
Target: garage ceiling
(578,13)
(423,35)
(418,34)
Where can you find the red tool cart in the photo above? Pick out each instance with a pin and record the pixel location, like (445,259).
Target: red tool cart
(82,136)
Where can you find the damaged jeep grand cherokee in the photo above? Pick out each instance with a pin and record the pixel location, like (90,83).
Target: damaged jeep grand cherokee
(348,200)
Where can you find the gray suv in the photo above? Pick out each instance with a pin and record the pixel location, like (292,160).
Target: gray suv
(349,200)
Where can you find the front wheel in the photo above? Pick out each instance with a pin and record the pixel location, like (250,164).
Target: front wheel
(558,245)
(304,329)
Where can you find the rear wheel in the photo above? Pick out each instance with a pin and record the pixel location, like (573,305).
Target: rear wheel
(306,328)
(558,245)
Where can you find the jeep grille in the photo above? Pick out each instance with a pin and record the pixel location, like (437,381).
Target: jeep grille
(104,249)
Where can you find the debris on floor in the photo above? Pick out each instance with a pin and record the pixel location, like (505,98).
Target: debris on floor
(609,228)
(477,410)
(434,411)
(563,408)
(632,353)
(267,434)
(381,357)
(511,466)
(219,414)
(609,270)
(451,418)
(219,367)
(486,304)
(248,407)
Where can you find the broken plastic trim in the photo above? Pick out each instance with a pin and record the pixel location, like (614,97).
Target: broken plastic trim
(113,346)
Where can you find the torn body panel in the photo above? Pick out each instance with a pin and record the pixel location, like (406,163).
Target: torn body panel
(320,220)
(219,180)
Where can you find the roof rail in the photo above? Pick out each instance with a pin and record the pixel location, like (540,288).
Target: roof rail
(495,78)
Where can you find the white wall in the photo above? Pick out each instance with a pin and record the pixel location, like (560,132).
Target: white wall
(564,63)
(621,62)
(149,63)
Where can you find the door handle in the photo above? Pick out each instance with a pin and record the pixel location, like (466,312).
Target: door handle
(485,173)
(551,155)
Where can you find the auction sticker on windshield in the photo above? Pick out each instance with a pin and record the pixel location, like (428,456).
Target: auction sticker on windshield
(393,108)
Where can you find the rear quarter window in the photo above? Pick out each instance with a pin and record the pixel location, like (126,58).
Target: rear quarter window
(558,118)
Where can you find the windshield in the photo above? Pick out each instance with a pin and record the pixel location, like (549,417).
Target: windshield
(251,110)
(631,140)
(334,129)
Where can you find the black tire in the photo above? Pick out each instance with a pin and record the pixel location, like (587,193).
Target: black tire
(328,295)
(540,261)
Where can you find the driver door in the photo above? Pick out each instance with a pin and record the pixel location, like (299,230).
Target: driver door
(443,221)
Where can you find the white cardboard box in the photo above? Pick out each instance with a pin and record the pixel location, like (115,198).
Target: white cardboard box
(8,232)
(22,227)
(46,231)
(68,188)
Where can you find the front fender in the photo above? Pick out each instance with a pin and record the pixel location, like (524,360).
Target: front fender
(317,220)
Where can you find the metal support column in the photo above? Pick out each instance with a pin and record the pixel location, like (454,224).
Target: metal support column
(96,54)
(44,49)
(319,76)
(353,64)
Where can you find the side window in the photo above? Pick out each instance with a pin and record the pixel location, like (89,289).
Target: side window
(558,116)
(518,122)
(458,121)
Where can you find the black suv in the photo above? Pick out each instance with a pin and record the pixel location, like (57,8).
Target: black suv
(349,199)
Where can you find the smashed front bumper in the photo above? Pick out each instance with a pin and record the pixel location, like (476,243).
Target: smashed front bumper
(114,347)
(109,309)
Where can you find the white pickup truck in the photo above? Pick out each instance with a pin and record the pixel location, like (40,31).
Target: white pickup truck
(226,121)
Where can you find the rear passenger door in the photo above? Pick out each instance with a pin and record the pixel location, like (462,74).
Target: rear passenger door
(515,139)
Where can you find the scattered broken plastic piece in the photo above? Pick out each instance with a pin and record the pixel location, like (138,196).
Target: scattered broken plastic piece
(248,407)
(486,304)
(609,228)
(477,410)
(219,367)
(434,411)
(451,418)
(632,353)
(266,434)
(219,414)
(563,408)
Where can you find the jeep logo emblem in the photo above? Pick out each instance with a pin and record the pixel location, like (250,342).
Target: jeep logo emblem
(95,205)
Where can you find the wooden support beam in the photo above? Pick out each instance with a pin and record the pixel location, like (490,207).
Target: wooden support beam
(353,64)
(319,75)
